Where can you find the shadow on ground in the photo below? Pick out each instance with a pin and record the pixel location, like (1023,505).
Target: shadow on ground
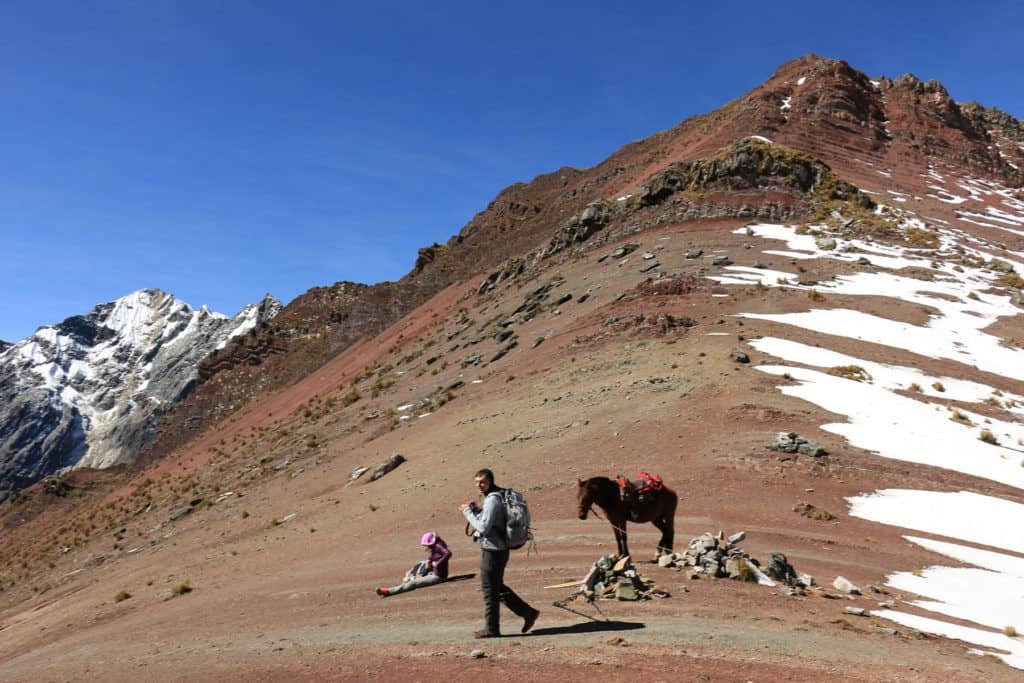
(588,627)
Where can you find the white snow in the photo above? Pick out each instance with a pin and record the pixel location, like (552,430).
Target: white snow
(903,428)
(891,377)
(944,513)
(761,138)
(995,643)
(784,107)
(801,80)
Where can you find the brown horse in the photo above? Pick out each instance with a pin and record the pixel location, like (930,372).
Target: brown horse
(658,507)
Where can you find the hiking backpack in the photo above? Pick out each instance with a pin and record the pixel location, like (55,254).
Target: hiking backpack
(517,519)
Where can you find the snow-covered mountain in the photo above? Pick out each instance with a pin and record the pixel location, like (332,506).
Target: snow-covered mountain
(88,391)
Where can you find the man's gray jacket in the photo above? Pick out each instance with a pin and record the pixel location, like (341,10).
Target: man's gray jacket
(490,522)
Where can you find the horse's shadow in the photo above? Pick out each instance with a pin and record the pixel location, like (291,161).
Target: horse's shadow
(588,627)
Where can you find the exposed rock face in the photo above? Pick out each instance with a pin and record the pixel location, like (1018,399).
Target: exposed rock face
(5,345)
(89,391)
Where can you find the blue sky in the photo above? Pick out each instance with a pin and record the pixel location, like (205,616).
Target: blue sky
(222,150)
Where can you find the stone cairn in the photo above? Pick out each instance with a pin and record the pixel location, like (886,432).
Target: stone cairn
(720,556)
(615,578)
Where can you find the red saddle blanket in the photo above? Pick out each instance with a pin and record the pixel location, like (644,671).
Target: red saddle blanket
(644,483)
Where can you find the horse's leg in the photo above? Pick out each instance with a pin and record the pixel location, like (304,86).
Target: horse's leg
(665,526)
(668,531)
(619,526)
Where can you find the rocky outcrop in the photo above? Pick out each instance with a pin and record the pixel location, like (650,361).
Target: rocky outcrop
(90,390)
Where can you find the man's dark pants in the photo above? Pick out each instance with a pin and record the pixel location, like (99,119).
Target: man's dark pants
(492,583)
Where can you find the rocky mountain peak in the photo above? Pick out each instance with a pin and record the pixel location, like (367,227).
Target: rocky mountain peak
(89,390)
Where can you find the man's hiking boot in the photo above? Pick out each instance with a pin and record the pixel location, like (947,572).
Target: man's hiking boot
(383,592)
(530,619)
(484,633)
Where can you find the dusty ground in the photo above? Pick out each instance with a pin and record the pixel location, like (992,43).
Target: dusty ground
(295,600)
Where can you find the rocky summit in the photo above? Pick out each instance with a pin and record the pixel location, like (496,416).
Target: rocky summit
(804,311)
(89,391)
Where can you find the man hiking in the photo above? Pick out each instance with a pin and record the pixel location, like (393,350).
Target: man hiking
(489,524)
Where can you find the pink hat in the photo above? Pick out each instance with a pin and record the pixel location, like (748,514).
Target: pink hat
(429,538)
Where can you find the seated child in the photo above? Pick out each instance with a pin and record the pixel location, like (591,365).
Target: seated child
(426,572)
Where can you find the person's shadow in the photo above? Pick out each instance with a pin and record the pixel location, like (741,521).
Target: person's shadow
(587,627)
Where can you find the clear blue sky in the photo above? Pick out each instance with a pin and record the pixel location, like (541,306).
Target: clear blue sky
(221,150)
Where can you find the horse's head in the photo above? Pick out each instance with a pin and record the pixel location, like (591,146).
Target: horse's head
(584,497)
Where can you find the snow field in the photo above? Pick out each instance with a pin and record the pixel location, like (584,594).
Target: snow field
(917,427)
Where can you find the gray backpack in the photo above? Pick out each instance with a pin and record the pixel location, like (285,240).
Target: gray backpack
(517,519)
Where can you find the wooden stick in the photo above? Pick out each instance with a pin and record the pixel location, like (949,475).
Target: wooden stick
(567,584)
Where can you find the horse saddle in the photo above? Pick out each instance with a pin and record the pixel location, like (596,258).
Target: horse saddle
(639,490)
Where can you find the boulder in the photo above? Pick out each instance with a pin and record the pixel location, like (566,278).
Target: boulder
(739,568)
(739,356)
(781,570)
(1001,266)
(181,512)
(624,250)
(825,243)
(391,463)
(846,586)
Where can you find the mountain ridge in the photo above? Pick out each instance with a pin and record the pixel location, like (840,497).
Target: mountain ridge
(525,214)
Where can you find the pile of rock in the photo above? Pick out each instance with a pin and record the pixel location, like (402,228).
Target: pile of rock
(790,442)
(720,556)
(615,578)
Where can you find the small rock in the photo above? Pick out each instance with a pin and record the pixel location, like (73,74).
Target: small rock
(888,604)
(625,590)
(722,261)
(538,341)
(825,243)
(648,256)
(846,586)
(1001,266)
(181,512)
(864,261)
(806,579)
(477,654)
(737,537)
(666,560)
(694,253)
(739,356)
(357,472)
(855,611)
